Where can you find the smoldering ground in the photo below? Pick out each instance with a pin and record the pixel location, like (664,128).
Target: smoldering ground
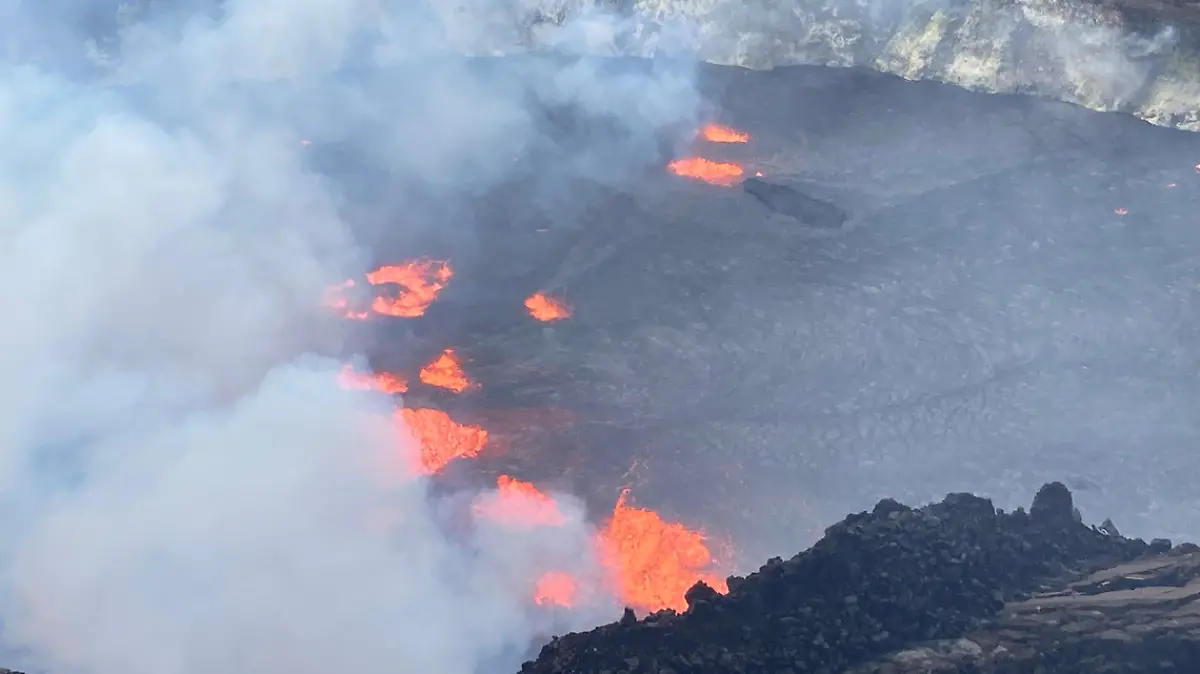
(185,489)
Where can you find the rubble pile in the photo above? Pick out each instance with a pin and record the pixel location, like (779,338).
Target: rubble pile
(877,583)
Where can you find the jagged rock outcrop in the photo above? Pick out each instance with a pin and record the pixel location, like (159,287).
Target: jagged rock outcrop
(1136,56)
(954,586)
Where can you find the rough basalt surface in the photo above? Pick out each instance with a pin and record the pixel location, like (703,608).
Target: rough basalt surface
(956,586)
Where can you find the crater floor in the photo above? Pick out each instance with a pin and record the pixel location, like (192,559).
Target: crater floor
(1013,299)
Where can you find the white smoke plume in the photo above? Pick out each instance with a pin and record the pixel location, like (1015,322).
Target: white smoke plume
(185,488)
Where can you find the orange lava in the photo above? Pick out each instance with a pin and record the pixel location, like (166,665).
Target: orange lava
(445,372)
(518,503)
(724,174)
(546,308)
(335,298)
(655,562)
(385,382)
(555,588)
(420,282)
(715,133)
(440,438)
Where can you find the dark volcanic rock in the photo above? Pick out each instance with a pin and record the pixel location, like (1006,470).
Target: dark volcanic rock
(790,201)
(877,583)
(1053,503)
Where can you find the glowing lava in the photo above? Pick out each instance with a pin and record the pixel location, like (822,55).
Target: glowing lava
(655,562)
(545,308)
(445,372)
(384,382)
(555,588)
(440,439)
(715,133)
(517,503)
(335,298)
(724,174)
(649,563)
(420,281)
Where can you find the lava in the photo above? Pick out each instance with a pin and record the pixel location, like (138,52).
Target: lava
(446,372)
(556,588)
(440,439)
(655,562)
(335,298)
(650,563)
(385,382)
(724,174)
(517,503)
(545,308)
(715,133)
(420,282)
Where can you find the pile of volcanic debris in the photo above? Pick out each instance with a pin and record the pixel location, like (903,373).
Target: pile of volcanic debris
(878,583)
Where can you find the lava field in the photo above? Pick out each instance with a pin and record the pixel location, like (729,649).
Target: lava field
(838,286)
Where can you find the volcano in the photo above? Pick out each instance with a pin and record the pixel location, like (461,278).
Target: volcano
(903,289)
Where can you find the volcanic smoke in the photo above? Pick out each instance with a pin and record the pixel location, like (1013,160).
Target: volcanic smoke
(190,470)
(650,563)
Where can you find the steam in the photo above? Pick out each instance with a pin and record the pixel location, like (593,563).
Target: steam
(185,487)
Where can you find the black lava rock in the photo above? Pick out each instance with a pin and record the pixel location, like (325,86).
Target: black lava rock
(790,201)
(1053,502)
(877,581)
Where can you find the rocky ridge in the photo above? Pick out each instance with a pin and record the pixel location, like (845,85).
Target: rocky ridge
(953,586)
(1136,56)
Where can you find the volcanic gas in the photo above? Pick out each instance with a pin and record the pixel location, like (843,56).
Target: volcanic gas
(648,562)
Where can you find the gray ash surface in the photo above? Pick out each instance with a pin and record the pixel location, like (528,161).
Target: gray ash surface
(877,582)
(1011,300)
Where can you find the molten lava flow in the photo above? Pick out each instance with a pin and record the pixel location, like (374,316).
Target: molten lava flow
(440,439)
(715,133)
(518,503)
(555,588)
(420,282)
(713,172)
(385,382)
(546,308)
(445,372)
(335,298)
(654,562)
